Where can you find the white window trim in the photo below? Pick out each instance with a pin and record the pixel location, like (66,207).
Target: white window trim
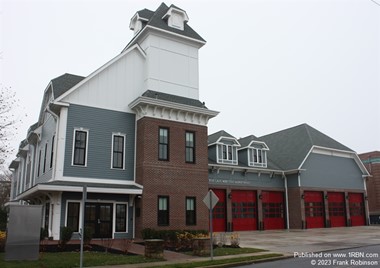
(73,150)
(234,160)
(80,213)
(125,139)
(103,201)
(252,162)
(114,217)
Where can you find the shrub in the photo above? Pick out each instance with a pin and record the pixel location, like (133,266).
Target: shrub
(88,234)
(66,233)
(43,233)
(3,238)
(235,240)
(178,239)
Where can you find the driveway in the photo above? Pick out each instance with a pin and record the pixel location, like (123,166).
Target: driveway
(311,240)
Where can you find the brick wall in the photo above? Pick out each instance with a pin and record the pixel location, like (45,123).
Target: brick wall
(295,212)
(174,178)
(373,182)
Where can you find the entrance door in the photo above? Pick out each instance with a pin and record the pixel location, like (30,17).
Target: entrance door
(98,216)
(244,207)
(273,210)
(219,212)
(337,210)
(356,209)
(314,209)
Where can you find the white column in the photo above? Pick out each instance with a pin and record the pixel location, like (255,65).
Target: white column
(61,143)
(56,206)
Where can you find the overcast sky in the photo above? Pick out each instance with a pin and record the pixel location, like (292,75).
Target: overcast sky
(267,65)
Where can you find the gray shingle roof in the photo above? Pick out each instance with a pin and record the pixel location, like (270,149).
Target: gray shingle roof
(63,83)
(155,20)
(289,147)
(93,184)
(244,142)
(173,98)
(215,136)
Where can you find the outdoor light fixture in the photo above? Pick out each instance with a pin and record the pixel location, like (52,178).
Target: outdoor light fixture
(326,196)
(260,196)
(347,197)
(366,197)
(302,196)
(230,195)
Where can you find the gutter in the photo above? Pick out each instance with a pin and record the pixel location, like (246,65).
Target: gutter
(286,200)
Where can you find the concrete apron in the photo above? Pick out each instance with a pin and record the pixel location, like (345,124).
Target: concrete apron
(311,240)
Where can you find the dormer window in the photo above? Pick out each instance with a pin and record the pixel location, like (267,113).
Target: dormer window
(227,154)
(136,23)
(257,154)
(176,18)
(227,151)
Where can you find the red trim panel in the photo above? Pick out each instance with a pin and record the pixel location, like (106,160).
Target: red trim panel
(357,211)
(314,209)
(244,210)
(337,211)
(219,212)
(273,210)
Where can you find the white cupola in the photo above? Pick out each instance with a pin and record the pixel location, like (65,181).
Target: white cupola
(176,18)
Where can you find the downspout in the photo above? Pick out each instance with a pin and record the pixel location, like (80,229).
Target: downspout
(56,118)
(286,199)
(366,198)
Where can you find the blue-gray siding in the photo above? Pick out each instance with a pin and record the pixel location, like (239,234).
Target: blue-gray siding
(100,124)
(99,198)
(212,153)
(249,179)
(243,156)
(48,131)
(326,171)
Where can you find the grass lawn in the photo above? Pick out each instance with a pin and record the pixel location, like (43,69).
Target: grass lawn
(71,259)
(242,260)
(235,251)
(226,251)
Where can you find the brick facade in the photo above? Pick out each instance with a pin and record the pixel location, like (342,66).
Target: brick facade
(371,161)
(296,208)
(174,178)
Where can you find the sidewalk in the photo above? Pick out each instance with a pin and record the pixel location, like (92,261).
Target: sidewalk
(284,242)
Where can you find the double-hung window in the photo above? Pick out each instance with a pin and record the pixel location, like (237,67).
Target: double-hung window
(163,211)
(121,218)
(118,145)
(190,147)
(73,215)
(191,211)
(227,154)
(52,152)
(163,143)
(80,147)
(257,157)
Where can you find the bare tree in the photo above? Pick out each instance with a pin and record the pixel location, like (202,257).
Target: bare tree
(9,122)
(5,187)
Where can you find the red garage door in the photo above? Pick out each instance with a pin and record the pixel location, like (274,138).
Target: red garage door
(273,210)
(244,207)
(314,209)
(357,211)
(219,212)
(337,210)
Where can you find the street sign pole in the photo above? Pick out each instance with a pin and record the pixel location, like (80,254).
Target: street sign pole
(84,197)
(211,231)
(210,201)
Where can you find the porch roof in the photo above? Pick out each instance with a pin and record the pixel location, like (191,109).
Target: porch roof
(69,186)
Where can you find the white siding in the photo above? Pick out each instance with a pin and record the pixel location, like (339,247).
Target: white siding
(172,66)
(114,87)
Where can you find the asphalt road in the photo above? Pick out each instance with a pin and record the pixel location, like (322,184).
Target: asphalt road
(367,256)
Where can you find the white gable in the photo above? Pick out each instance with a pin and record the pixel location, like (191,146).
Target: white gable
(113,86)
